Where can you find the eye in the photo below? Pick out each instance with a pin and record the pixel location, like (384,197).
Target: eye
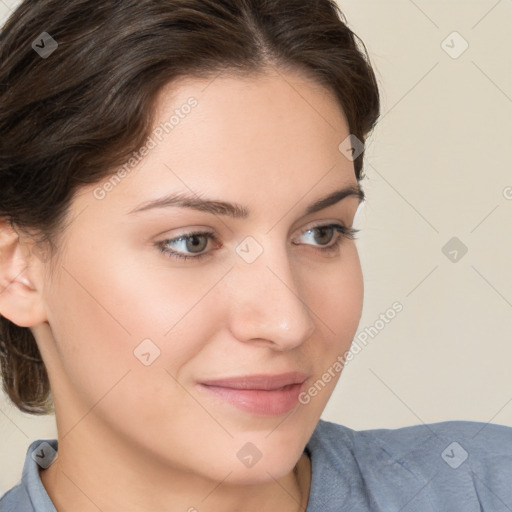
(326,233)
(196,242)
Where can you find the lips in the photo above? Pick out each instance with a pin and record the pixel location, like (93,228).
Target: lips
(265,382)
(258,394)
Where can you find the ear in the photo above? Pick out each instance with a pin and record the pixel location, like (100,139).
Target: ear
(20,280)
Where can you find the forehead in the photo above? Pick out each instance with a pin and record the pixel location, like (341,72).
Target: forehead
(256,123)
(239,98)
(268,139)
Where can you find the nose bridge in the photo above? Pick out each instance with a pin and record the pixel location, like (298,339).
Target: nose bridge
(267,300)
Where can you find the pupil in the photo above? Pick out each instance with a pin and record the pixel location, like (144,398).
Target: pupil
(323,230)
(195,239)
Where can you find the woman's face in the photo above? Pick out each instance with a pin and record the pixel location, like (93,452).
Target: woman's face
(132,332)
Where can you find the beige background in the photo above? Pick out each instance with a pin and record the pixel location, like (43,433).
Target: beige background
(438,166)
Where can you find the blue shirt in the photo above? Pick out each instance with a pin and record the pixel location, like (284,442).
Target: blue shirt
(439,467)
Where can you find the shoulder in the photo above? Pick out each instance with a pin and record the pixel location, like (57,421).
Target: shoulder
(479,440)
(446,444)
(446,464)
(15,499)
(29,495)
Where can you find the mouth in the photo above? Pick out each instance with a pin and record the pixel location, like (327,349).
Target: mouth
(268,395)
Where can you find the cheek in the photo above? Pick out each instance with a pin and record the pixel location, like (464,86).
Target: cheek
(100,314)
(336,301)
(336,298)
(101,311)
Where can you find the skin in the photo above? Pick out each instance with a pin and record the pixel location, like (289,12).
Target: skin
(136,437)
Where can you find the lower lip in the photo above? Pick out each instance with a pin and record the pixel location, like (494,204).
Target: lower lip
(258,401)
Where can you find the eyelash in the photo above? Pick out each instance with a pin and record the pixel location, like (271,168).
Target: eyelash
(342,232)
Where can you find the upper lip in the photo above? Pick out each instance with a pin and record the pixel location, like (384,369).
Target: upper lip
(260,381)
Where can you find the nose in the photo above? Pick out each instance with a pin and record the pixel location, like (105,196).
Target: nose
(267,302)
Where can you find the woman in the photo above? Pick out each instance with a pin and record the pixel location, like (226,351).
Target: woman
(180,279)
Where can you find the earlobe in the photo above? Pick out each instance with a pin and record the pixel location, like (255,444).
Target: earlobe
(20,298)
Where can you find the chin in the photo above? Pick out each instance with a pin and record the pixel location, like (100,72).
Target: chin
(248,465)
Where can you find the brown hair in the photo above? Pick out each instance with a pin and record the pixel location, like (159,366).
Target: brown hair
(69,118)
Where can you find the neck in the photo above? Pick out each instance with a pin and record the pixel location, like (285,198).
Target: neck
(106,475)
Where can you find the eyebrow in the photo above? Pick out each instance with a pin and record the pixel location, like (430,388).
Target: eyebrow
(235,210)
